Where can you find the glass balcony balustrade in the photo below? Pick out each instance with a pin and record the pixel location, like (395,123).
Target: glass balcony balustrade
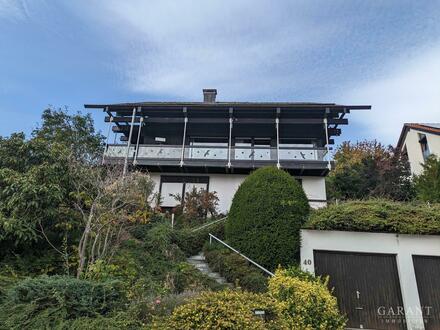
(219,153)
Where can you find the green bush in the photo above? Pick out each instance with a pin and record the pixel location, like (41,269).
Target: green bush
(224,310)
(378,216)
(120,320)
(161,306)
(235,269)
(306,303)
(153,264)
(192,242)
(46,302)
(187,277)
(6,281)
(265,218)
(427,184)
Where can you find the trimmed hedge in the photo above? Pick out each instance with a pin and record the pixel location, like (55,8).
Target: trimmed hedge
(265,218)
(235,269)
(378,216)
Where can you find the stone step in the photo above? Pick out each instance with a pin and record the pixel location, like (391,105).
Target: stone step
(199,257)
(199,262)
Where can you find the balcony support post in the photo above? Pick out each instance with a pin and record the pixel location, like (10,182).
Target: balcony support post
(124,171)
(329,165)
(106,141)
(277,124)
(230,142)
(184,138)
(141,122)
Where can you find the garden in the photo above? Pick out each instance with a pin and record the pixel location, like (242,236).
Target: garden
(83,246)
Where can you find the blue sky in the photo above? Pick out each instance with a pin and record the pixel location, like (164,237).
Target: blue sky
(383,53)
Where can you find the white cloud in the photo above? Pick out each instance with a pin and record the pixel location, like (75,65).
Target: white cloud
(408,91)
(176,48)
(267,50)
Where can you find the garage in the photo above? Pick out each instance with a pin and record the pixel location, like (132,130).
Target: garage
(427,269)
(367,287)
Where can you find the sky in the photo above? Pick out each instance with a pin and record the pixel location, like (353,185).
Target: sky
(68,53)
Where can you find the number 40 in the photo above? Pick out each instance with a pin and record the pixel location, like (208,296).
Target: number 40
(307,262)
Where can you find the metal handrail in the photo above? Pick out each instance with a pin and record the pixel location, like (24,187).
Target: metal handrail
(241,254)
(208,224)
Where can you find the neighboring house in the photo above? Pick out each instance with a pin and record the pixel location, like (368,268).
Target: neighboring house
(215,145)
(418,142)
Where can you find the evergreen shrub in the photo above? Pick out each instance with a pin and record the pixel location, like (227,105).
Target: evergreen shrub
(265,218)
(48,301)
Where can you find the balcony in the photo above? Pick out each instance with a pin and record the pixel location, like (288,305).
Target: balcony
(289,157)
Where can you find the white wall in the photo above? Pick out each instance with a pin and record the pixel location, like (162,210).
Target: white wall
(414,150)
(224,184)
(404,246)
(156,179)
(314,187)
(227,184)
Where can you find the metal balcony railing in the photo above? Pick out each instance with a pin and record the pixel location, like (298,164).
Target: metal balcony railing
(220,153)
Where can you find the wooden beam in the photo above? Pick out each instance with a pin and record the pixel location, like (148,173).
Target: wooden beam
(334,131)
(169,120)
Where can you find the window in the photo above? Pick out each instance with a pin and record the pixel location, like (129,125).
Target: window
(424,145)
(173,185)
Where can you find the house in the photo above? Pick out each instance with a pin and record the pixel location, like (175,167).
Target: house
(215,145)
(418,142)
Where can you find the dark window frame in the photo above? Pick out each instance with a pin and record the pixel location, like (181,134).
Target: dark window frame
(183,179)
(423,141)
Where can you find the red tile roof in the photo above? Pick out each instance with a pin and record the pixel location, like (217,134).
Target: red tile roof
(427,128)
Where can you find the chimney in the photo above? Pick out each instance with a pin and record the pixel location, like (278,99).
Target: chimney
(209,95)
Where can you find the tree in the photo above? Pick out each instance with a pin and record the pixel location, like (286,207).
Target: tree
(427,184)
(74,134)
(36,210)
(266,216)
(108,202)
(369,169)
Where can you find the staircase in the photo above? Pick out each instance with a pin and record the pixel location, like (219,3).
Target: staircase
(199,262)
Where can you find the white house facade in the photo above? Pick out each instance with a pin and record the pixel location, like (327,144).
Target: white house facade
(225,185)
(418,142)
(214,145)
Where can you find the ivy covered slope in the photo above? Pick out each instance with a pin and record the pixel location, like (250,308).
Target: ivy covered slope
(266,214)
(378,216)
